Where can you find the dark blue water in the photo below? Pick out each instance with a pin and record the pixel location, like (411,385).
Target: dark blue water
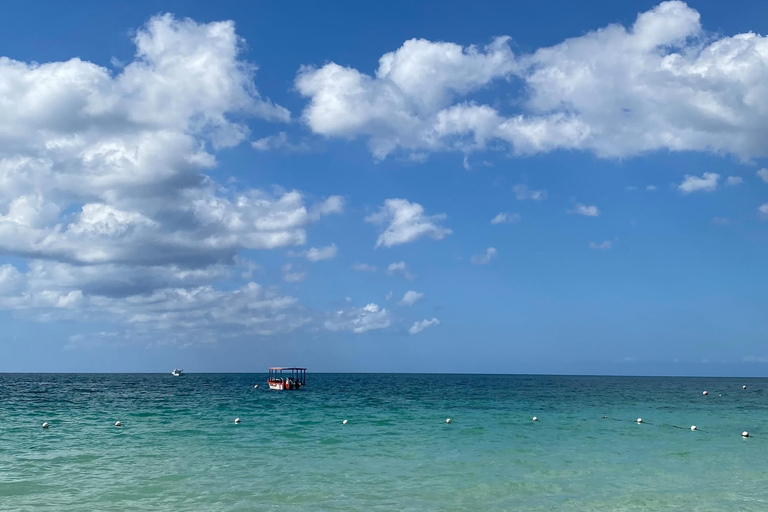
(179,447)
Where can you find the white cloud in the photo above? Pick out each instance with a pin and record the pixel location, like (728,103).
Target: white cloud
(120,280)
(388,296)
(522,192)
(278,142)
(294,277)
(178,316)
(650,188)
(318,253)
(707,183)
(406,223)
(410,298)
(605,245)
(359,320)
(333,204)
(364,267)
(213,313)
(104,190)
(400,267)
(11,280)
(585,210)
(96,168)
(290,276)
(401,106)
(663,83)
(734,180)
(247,266)
(763,209)
(484,259)
(506,218)
(199,226)
(763,175)
(417,327)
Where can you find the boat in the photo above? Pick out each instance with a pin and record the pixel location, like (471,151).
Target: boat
(282,378)
(177,372)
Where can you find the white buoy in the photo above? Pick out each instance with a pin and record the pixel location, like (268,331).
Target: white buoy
(745,434)
(705,393)
(448,420)
(344,422)
(693,427)
(535,418)
(743,387)
(237,420)
(639,420)
(256,386)
(118,424)
(45,424)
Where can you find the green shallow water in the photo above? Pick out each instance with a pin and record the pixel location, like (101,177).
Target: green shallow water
(179,448)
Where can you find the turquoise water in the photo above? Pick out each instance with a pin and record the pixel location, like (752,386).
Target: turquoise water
(179,448)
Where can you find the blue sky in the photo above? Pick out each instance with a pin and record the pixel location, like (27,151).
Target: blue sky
(384,186)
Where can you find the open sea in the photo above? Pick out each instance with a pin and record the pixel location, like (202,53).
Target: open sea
(179,448)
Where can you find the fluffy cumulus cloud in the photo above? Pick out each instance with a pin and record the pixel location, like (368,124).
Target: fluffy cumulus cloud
(104,186)
(409,103)
(410,298)
(763,175)
(484,259)
(417,327)
(763,210)
(406,222)
(359,320)
(734,180)
(707,183)
(662,83)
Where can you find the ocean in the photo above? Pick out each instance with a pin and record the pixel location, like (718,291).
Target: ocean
(179,448)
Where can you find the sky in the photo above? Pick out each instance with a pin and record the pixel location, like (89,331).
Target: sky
(484,187)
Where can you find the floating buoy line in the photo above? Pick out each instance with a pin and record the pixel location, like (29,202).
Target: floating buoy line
(640,421)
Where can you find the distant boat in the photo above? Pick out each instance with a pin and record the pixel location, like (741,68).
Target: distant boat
(177,372)
(294,378)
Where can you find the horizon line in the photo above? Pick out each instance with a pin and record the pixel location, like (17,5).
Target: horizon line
(401,373)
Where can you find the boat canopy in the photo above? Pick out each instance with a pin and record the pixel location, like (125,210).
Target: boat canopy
(294,373)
